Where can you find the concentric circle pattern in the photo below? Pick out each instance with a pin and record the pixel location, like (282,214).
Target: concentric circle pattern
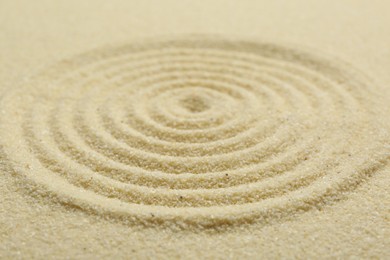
(198,132)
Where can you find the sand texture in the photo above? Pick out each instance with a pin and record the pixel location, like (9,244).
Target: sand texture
(124,134)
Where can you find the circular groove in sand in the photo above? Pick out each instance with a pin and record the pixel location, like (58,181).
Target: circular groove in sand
(201,132)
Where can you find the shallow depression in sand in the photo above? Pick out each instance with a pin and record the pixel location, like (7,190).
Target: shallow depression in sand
(199,132)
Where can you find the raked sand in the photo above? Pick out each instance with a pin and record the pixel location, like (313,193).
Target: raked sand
(194,129)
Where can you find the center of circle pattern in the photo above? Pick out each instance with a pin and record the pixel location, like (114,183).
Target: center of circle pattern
(194,132)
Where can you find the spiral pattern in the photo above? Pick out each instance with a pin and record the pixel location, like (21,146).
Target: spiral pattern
(199,132)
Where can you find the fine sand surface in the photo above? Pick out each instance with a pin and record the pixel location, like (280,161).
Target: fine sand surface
(194,129)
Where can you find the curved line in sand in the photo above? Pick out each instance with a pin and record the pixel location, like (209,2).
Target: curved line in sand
(195,132)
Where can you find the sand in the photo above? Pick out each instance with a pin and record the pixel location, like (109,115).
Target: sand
(226,130)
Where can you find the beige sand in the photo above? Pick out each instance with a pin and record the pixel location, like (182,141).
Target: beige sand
(194,129)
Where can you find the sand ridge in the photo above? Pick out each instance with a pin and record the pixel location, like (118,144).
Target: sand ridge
(196,132)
